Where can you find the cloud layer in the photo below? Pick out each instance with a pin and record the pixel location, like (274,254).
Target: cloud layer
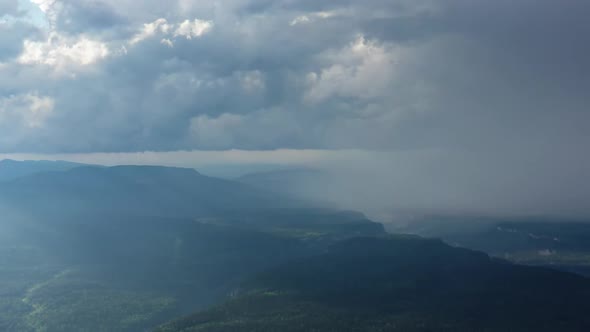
(254,74)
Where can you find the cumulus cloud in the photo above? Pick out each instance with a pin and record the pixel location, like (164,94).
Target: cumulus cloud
(50,8)
(23,115)
(167,42)
(311,17)
(11,38)
(60,52)
(192,29)
(378,74)
(160,26)
(364,69)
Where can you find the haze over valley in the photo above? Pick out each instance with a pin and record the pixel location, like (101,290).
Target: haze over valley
(281,165)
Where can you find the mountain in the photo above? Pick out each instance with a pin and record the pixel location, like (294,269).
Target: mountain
(556,243)
(12,169)
(169,192)
(135,190)
(400,284)
(127,248)
(122,273)
(125,273)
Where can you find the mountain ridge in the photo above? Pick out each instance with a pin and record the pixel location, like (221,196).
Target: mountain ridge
(395,283)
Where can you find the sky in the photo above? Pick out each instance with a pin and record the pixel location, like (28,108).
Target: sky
(440,104)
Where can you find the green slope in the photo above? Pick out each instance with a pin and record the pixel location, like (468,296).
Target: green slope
(401,284)
(561,244)
(123,273)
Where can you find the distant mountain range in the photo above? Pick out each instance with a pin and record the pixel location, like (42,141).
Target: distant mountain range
(129,248)
(541,241)
(126,248)
(12,169)
(132,190)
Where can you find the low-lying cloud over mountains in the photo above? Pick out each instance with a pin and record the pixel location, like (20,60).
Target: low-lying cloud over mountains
(483,105)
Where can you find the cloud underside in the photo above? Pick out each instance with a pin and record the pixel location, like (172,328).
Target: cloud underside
(86,76)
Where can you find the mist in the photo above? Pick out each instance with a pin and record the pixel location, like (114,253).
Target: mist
(392,186)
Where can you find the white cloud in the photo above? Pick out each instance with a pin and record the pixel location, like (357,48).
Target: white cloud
(191,29)
(151,29)
(45,5)
(50,8)
(311,17)
(26,110)
(167,42)
(363,69)
(188,29)
(62,53)
(300,19)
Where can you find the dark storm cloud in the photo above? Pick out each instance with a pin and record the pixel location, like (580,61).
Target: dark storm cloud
(309,74)
(88,16)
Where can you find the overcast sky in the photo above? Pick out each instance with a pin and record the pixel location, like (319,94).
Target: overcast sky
(495,93)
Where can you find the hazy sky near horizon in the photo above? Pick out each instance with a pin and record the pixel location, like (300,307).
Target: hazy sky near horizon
(487,99)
